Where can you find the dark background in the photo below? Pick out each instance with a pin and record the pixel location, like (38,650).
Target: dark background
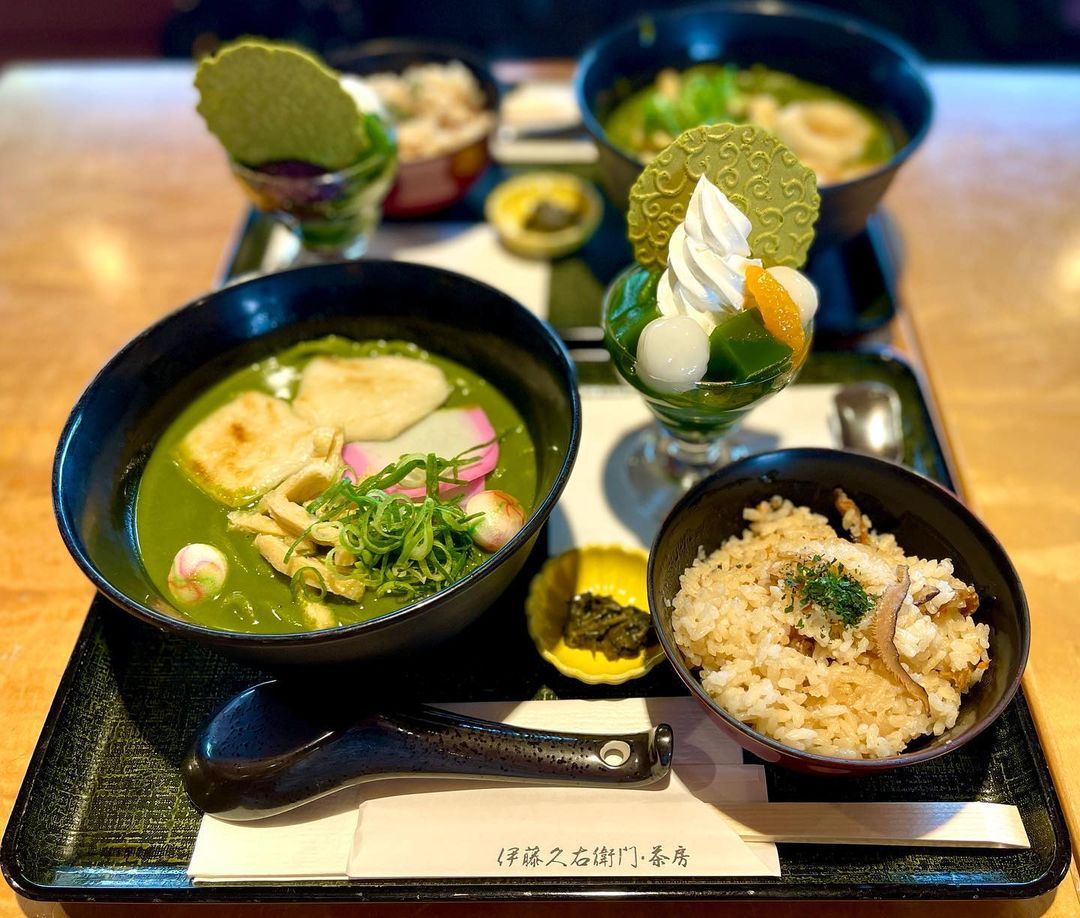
(1031,31)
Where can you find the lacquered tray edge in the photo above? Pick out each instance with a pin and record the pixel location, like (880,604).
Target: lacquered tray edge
(557,888)
(9,864)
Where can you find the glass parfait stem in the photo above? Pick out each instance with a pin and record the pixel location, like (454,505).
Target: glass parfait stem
(697,430)
(663,466)
(339,239)
(688,462)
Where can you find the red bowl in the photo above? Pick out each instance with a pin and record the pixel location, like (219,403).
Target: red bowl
(425,186)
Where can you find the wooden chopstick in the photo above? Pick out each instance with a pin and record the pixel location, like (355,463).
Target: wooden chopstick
(949,825)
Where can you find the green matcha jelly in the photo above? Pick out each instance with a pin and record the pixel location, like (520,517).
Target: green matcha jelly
(740,348)
(746,364)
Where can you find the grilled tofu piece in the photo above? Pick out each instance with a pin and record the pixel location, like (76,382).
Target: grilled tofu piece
(370,398)
(246,447)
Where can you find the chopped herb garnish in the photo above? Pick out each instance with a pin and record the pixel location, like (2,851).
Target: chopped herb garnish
(826,585)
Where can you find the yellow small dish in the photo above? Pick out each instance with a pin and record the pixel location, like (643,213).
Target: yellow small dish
(511,203)
(605,570)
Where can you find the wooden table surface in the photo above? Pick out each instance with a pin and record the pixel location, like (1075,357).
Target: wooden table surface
(117,206)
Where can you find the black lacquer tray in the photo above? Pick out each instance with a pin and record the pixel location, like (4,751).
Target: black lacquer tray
(855,279)
(102,816)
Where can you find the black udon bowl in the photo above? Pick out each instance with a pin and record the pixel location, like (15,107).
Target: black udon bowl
(118,419)
(927,521)
(832,49)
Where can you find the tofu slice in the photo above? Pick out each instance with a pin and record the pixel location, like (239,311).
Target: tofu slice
(246,447)
(371,398)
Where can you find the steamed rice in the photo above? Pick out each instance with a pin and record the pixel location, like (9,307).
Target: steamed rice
(802,677)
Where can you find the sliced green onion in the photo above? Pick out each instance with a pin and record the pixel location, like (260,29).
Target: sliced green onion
(399,546)
(303,590)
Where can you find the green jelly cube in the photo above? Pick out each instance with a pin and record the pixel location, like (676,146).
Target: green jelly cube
(740,348)
(632,306)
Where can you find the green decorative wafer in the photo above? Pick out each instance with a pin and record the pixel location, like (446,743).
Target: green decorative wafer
(269,102)
(760,176)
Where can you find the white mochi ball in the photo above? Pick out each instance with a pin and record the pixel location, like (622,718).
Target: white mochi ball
(800,288)
(672,354)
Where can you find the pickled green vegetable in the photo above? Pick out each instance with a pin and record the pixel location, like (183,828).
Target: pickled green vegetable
(602,625)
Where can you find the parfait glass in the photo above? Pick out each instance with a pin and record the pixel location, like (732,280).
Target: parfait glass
(696,430)
(333,214)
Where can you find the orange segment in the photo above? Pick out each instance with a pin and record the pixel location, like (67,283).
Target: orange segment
(778,309)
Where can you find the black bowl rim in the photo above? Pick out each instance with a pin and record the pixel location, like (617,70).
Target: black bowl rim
(533,525)
(780,8)
(410,45)
(841,458)
(449,51)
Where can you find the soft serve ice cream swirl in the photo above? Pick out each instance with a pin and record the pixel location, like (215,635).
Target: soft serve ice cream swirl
(705,282)
(707,258)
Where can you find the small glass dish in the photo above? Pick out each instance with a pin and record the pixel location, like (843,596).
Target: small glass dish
(605,570)
(333,214)
(697,429)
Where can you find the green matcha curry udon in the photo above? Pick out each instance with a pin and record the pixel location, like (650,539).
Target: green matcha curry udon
(830,133)
(331,483)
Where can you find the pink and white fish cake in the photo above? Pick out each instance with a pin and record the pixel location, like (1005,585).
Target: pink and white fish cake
(198,572)
(448,432)
(501,518)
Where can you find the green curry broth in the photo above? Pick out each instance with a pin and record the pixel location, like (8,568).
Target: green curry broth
(171,511)
(625,123)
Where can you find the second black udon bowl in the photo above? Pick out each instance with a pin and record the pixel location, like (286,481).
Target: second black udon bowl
(118,419)
(835,50)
